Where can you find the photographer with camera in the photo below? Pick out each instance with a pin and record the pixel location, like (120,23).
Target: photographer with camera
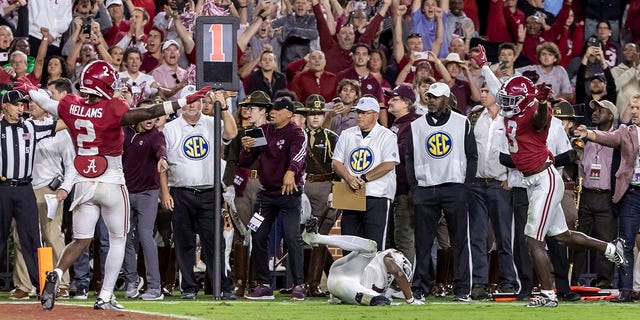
(88,11)
(591,83)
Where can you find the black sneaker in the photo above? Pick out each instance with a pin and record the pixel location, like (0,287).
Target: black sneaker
(48,298)
(568,296)
(297,294)
(228,296)
(380,301)
(479,292)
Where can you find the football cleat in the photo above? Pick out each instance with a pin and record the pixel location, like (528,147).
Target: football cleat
(48,298)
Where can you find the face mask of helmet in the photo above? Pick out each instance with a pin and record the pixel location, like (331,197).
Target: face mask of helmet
(508,105)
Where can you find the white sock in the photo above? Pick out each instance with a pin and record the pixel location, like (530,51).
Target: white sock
(550,294)
(59,272)
(112,266)
(610,250)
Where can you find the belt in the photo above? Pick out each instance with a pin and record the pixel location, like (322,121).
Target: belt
(253,174)
(634,188)
(543,168)
(15,182)
(569,185)
(486,180)
(587,190)
(321,177)
(196,191)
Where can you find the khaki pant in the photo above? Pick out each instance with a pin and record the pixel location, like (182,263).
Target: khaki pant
(51,236)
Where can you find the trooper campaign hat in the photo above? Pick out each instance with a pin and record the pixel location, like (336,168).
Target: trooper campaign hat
(564,110)
(258,98)
(314,103)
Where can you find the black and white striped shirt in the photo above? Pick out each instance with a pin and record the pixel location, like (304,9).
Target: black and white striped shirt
(17,146)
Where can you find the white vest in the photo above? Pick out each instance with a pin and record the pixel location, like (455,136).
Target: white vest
(438,152)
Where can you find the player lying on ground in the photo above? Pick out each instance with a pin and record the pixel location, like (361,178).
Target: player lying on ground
(364,276)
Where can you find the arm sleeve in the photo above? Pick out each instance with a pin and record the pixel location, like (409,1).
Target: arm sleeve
(492,81)
(471,150)
(370,32)
(505,160)
(68,154)
(298,152)
(564,159)
(326,40)
(160,146)
(408,159)
(42,99)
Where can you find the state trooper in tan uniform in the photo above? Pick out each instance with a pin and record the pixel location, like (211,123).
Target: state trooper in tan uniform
(318,183)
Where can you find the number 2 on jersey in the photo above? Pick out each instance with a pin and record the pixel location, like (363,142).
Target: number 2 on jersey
(511,136)
(85,138)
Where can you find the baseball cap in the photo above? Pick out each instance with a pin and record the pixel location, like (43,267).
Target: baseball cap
(110,2)
(403,91)
(258,97)
(14,96)
(439,89)
(167,43)
(368,104)
(605,104)
(187,91)
(283,103)
(598,76)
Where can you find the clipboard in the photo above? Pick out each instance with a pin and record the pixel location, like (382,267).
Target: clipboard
(348,199)
(257,134)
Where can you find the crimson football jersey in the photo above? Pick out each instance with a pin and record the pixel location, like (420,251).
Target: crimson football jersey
(527,146)
(95,129)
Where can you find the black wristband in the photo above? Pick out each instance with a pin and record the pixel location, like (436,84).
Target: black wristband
(224,109)
(364,177)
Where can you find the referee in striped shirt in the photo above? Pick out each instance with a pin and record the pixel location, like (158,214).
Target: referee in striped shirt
(18,139)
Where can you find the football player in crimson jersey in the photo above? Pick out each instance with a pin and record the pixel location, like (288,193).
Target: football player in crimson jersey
(527,117)
(95,123)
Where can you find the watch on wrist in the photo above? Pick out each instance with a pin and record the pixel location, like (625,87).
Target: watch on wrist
(364,177)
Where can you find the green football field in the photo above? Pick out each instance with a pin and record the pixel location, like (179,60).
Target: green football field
(318,308)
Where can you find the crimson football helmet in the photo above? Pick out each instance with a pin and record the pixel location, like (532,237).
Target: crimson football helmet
(515,95)
(99,78)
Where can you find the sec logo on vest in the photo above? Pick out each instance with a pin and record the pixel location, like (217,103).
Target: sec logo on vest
(361,159)
(195,147)
(438,144)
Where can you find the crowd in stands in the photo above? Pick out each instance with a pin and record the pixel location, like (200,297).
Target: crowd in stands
(334,53)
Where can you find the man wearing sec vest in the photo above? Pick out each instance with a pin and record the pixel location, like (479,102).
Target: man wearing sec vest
(365,157)
(189,140)
(441,162)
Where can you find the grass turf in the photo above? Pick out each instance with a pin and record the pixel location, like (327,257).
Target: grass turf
(318,308)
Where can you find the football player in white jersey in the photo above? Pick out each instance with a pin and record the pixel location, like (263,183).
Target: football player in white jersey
(365,276)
